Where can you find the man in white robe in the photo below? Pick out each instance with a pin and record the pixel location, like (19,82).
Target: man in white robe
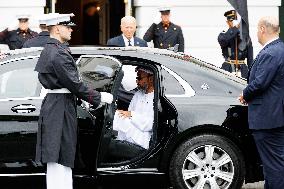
(135,125)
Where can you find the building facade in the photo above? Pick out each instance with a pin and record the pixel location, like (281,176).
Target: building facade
(201,20)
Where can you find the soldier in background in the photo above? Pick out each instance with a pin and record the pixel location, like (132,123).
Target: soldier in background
(229,42)
(43,36)
(165,34)
(16,38)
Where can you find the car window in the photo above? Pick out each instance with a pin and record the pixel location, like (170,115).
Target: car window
(172,86)
(99,72)
(18,79)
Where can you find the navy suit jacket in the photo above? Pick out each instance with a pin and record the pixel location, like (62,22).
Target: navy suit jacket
(119,42)
(265,90)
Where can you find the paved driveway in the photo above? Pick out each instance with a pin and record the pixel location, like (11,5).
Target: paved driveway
(39,183)
(257,185)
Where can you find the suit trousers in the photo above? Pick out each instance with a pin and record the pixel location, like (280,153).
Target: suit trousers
(270,146)
(58,176)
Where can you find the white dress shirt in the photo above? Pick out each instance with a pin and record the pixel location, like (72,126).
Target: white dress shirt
(126,41)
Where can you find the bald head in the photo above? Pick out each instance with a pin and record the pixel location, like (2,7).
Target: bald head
(128,26)
(268,29)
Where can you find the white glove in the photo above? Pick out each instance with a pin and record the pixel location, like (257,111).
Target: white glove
(236,23)
(106,97)
(157,18)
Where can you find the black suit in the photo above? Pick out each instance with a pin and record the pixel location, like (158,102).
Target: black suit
(265,97)
(164,38)
(16,38)
(38,41)
(119,42)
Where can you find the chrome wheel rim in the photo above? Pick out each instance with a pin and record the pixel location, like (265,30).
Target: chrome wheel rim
(208,167)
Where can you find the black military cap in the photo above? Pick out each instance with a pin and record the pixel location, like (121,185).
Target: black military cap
(67,23)
(231,14)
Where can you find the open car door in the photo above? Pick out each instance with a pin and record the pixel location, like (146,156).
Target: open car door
(101,73)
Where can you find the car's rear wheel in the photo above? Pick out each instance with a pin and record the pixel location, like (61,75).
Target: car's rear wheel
(207,162)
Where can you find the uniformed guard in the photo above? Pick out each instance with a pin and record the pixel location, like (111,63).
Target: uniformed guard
(229,41)
(43,36)
(16,38)
(57,131)
(165,34)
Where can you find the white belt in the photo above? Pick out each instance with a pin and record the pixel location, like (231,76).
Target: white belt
(62,90)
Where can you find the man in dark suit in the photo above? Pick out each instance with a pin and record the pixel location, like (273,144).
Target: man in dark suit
(265,97)
(16,38)
(43,36)
(165,34)
(128,28)
(229,41)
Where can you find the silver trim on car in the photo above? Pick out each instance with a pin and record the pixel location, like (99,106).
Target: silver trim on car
(19,58)
(188,91)
(208,166)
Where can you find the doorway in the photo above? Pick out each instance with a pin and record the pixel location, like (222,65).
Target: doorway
(96,20)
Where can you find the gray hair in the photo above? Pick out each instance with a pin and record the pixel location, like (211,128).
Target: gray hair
(271,23)
(128,19)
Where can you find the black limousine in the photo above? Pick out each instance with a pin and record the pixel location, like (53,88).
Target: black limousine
(200,136)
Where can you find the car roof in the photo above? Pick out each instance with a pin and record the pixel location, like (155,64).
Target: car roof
(135,52)
(10,54)
(148,53)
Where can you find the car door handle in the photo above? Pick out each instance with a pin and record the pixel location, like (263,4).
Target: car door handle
(23,108)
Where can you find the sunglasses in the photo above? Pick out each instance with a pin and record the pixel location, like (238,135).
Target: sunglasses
(23,20)
(139,78)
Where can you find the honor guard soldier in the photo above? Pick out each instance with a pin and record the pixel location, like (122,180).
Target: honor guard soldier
(16,38)
(43,36)
(229,41)
(165,34)
(57,126)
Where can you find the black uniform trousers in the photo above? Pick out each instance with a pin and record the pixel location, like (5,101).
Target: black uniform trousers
(270,146)
(232,68)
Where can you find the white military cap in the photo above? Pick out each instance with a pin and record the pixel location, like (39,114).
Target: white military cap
(164,9)
(44,17)
(23,16)
(58,19)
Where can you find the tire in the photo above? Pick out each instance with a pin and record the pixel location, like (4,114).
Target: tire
(223,168)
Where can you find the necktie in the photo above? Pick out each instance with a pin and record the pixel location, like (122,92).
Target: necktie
(129,43)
